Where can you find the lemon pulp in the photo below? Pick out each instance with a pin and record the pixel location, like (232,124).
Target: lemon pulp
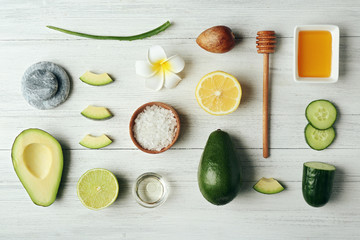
(218,93)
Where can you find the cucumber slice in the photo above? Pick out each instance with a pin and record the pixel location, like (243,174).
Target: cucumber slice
(319,139)
(317,183)
(268,186)
(96,113)
(321,114)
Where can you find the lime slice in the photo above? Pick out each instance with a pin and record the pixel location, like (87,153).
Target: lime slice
(97,188)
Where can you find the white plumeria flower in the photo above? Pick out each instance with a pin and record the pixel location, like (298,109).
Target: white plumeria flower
(160,70)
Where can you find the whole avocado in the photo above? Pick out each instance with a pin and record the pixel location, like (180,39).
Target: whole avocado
(219,175)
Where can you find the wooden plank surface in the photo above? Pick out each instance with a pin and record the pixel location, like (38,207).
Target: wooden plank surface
(24,40)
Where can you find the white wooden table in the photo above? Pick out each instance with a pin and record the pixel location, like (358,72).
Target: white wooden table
(25,40)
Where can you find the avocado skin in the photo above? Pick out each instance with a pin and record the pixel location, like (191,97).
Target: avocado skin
(219,174)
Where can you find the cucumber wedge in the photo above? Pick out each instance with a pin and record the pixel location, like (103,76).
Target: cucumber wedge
(321,114)
(317,183)
(268,186)
(319,139)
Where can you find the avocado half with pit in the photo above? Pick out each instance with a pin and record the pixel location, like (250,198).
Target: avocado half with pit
(96,79)
(37,158)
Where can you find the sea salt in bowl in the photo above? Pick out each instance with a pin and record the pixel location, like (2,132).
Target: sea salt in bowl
(134,134)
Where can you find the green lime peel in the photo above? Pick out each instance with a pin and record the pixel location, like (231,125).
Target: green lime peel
(120,38)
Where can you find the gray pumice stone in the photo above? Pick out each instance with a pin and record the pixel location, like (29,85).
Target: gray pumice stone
(45,85)
(41,84)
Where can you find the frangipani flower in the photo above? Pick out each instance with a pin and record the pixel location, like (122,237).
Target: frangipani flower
(159,70)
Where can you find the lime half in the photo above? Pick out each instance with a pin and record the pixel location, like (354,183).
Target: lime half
(97,188)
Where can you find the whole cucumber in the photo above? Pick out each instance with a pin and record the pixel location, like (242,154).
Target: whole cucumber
(317,183)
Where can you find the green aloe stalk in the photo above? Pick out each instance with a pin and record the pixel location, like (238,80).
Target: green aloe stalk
(120,38)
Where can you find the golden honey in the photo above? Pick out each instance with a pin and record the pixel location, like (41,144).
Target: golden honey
(314,54)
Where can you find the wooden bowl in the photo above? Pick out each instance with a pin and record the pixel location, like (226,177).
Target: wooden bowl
(141,109)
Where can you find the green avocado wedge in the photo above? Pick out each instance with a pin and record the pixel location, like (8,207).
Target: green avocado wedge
(317,183)
(96,113)
(95,142)
(268,186)
(37,158)
(96,79)
(219,174)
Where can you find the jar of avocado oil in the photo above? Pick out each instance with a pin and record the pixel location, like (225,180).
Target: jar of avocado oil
(150,190)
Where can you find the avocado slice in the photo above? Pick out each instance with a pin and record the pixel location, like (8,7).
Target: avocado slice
(219,174)
(93,142)
(96,79)
(96,113)
(268,186)
(37,158)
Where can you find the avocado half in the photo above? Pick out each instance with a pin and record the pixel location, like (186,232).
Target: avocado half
(37,158)
(219,173)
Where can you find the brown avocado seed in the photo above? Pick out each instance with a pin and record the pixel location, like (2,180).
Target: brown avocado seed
(218,39)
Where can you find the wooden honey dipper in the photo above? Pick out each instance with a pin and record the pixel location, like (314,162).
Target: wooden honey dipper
(266,41)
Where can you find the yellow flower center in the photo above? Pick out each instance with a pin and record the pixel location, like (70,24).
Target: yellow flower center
(162,64)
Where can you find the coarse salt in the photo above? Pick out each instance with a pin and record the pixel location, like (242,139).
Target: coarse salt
(155,128)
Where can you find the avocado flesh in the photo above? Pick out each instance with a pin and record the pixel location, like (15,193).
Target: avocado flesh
(38,162)
(268,186)
(96,113)
(96,79)
(219,174)
(93,142)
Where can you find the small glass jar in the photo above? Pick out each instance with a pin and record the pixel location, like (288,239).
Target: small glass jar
(150,190)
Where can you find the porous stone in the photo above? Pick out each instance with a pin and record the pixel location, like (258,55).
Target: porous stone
(45,85)
(41,84)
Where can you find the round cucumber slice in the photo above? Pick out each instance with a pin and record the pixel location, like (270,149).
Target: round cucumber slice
(321,114)
(319,139)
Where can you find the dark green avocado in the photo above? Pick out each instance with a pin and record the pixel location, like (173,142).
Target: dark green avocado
(219,169)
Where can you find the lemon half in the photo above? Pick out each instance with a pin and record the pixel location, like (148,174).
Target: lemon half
(218,93)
